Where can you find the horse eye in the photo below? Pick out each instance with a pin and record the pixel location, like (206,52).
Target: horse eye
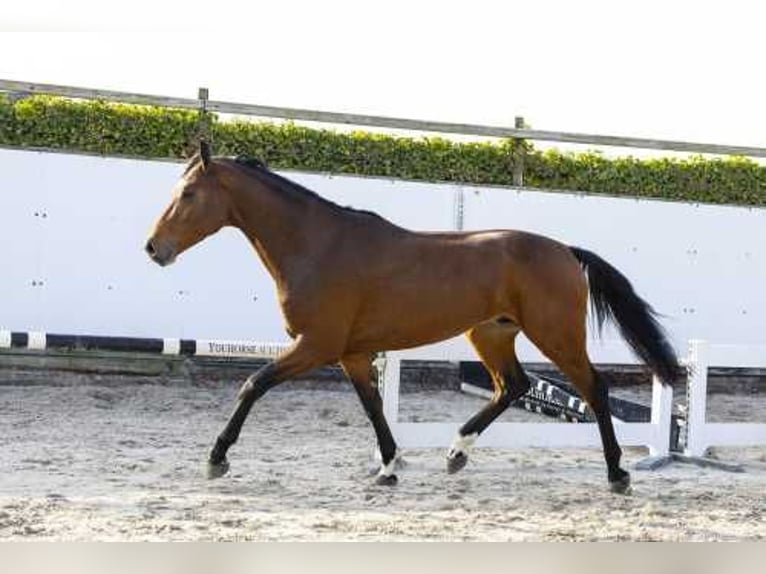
(187,194)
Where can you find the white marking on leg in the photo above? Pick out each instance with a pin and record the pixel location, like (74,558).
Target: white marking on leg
(462,443)
(388,469)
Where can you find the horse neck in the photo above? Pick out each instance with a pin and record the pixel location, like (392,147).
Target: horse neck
(283,227)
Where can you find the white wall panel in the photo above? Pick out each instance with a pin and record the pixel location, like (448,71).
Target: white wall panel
(77,225)
(96,279)
(703,267)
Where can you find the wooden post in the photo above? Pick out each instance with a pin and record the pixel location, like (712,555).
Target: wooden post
(459,209)
(203,121)
(518,155)
(15,97)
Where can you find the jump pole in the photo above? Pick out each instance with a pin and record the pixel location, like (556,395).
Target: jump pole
(40,341)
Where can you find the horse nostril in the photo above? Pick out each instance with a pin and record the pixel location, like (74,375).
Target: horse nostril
(150,248)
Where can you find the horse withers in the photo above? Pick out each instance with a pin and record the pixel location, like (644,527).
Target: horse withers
(351,284)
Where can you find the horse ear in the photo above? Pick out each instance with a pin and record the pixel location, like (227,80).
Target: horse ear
(204,153)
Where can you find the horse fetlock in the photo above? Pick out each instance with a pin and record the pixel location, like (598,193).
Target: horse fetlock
(619,482)
(217,469)
(464,442)
(217,465)
(218,452)
(457,456)
(386,474)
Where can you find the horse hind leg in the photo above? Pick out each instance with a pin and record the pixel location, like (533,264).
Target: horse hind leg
(564,343)
(598,399)
(595,391)
(494,343)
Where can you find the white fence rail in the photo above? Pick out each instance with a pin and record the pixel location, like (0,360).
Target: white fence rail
(655,434)
(700,434)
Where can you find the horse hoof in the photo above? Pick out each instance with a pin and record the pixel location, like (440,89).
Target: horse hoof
(217,470)
(620,486)
(456,462)
(386,480)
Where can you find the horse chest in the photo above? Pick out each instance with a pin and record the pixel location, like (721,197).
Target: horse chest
(302,311)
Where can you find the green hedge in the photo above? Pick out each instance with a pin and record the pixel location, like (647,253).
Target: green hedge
(119,129)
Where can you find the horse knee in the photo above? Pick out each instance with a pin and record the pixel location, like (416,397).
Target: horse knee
(247,388)
(257,384)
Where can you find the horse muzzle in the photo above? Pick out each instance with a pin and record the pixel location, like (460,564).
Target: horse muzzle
(160,252)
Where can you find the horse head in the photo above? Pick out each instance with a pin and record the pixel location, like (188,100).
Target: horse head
(199,207)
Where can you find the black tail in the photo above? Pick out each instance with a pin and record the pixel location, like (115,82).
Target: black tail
(612,297)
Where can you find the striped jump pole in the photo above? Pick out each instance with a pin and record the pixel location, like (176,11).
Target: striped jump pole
(39,341)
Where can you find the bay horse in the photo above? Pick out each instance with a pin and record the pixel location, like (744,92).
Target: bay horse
(351,284)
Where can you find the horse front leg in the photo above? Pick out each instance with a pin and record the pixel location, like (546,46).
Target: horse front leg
(298,359)
(358,368)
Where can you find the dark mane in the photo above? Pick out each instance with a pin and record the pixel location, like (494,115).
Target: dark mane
(281,182)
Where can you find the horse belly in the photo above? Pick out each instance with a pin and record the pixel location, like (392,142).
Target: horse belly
(404,318)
